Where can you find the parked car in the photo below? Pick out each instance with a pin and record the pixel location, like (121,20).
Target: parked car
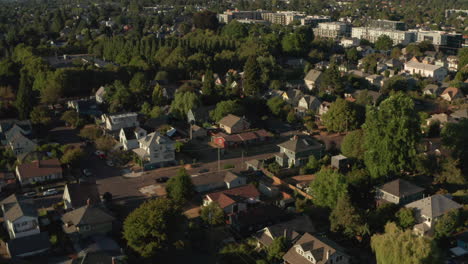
(102,156)
(87,172)
(110,163)
(30,194)
(50,192)
(162,179)
(98,153)
(203,170)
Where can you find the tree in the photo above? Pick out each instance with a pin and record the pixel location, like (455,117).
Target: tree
(153,227)
(224,108)
(252,72)
(344,217)
(327,187)
(277,249)
(208,88)
(72,156)
(463,58)
(332,80)
(105,143)
(212,214)
(392,134)
(291,117)
(276,105)
(138,84)
(70,117)
(384,42)
(447,224)
(342,116)
(180,188)
(395,83)
(448,172)
(455,138)
(40,114)
(235,30)
(397,246)
(183,102)
(352,55)
(353,144)
(405,218)
(311,166)
(205,20)
(158,96)
(25,97)
(90,132)
(396,53)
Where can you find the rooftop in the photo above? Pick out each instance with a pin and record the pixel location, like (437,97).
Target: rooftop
(400,188)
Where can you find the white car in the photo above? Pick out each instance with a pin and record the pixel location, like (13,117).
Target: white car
(50,192)
(98,153)
(87,172)
(110,163)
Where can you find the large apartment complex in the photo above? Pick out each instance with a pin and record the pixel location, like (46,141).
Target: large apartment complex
(332,30)
(372,34)
(279,17)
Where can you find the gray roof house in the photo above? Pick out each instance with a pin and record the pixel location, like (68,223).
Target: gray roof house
(432,89)
(28,246)
(296,151)
(77,195)
(312,79)
(308,102)
(398,192)
(20,217)
(313,249)
(115,122)
(86,221)
(217,180)
(428,211)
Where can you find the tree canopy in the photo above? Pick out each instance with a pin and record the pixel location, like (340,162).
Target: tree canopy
(384,42)
(180,188)
(343,116)
(352,145)
(327,187)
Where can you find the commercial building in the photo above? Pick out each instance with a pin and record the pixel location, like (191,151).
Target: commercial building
(373,34)
(332,30)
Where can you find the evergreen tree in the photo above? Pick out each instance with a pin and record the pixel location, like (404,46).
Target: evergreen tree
(25,97)
(208,88)
(252,75)
(392,134)
(344,217)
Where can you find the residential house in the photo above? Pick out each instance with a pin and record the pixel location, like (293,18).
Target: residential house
(254,164)
(340,162)
(442,119)
(254,218)
(292,96)
(7,179)
(292,230)
(10,127)
(372,97)
(429,210)
(232,124)
(100,93)
(87,221)
(296,151)
(87,106)
(99,249)
(452,93)
(432,89)
(313,79)
(324,107)
(267,186)
(308,103)
(452,62)
(130,136)
(21,145)
(233,200)
(398,192)
(19,217)
(77,195)
(199,115)
(217,180)
(459,115)
(155,150)
(316,250)
(394,64)
(375,79)
(39,171)
(197,132)
(115,122)
(28,246)
(426,70)
(349,42)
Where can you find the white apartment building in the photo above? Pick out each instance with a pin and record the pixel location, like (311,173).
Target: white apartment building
(426,70)
(438,38)
(373,34)
(332,30)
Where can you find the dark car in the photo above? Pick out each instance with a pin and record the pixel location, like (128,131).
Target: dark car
(203,170)
(162,179)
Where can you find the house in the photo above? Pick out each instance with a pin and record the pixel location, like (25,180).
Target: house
(394,63)
(313,79)
(244,138)
(232,124)
(32,245)
(155,150)
(451,93)
(324,107)
(130,136)
(254,164)
(115,122)
(267,186)
(370,96)
(375,79)
(76,195)
(452,62)
(86,106)
(254,218)
(428,211)
(11,127)
(292,96)
(442,119)
(296,151)
(340,162)
(308,102)
(197,131)
(87,221)
(19,217)
(291,230)
(398,192)
(217,180)
(233,200)
(432,89)
(7,179)
(99,249)
(21,145)
(438,73)
(459,115)
(39,171)
(100,93)
(316,250)
(199,115)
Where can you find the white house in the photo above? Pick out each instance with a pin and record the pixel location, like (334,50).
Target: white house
(20,217)
(130,136)
(100,93)
(426,70)
(155,150)
(312,79)
(118,121)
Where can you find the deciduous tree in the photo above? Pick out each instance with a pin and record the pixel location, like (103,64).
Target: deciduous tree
(343,116)
(212,214)
(345,218)
(224,108)
(405,218)
(327,187)
(384,42)
(353,144)
(180,188)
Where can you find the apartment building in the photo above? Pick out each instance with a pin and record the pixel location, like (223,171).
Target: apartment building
(314,20)
(387,24)
(332,30)
(373,34)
